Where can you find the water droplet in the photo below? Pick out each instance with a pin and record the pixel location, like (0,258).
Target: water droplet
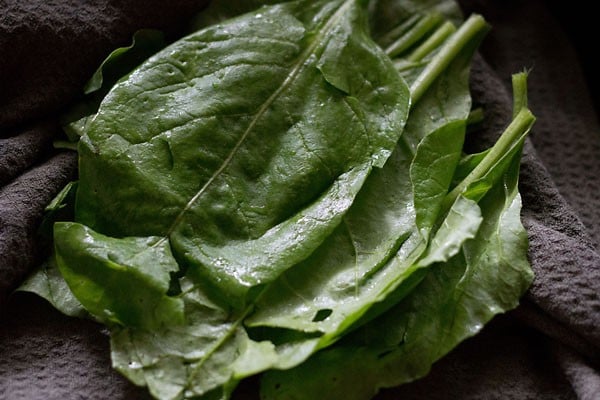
(219,262)
(259,15)
(134,365)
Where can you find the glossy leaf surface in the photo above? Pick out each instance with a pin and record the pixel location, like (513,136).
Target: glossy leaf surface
(384,237)
(246,140)
(456,298)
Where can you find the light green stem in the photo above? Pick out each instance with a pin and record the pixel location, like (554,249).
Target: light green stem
(519,84)
(422,28)
(511,136)
(399,31)
(472,27)
(435,40)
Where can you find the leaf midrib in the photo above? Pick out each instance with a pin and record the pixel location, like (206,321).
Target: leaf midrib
(297,68)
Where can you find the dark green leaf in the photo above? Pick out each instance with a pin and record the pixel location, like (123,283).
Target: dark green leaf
(456,298)
(47,282)
(384,236)
(119,63)
(245,140)
(123,60)
(119,281)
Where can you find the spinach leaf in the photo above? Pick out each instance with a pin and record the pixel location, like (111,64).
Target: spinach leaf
(246,140)
(456,297)
(123,60)
(120,281)
(48,283)
(118,64)
(276,351)
(187,360)
(236,185)
(384,238)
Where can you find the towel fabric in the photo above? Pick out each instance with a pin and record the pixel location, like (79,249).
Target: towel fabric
(549,347)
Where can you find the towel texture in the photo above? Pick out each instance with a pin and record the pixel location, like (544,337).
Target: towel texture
(549,347)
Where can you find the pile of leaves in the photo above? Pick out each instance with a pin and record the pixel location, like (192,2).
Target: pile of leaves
(285,191)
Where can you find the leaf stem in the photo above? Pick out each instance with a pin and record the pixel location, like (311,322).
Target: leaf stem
(421,28)
(435,40)
(509,138)
(400,30)
(197,368)
(519,84)
(472,27)
(300,65)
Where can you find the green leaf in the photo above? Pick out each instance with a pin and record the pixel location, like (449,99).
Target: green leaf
(346,294)
(436,159)
(467,286)
(199,358)
(117,65)
(244,183)
(183,173)
(384,237)
(123,60)
(119,281)
(490,170)
(47,282)
(75,121)
(453,302)
(61,208)
(183,361)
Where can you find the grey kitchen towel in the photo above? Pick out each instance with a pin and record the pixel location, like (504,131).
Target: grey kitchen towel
(548,348)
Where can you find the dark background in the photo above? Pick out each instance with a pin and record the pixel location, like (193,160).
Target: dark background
(580,21)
